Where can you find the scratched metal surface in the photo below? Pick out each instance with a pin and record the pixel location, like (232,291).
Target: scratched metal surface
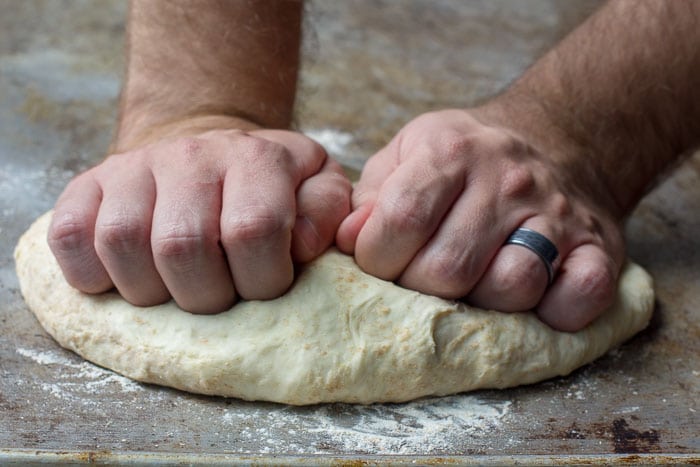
(369,67)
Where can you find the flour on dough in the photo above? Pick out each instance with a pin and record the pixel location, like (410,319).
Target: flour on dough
(337,335)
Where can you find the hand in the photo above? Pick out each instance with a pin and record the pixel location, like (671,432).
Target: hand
(433,209)
(203,219)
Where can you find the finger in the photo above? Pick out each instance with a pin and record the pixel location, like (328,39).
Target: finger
(323,201)
(350,228)
(585,287)
(322,197)
(123,233)
(72,232)
(516,278)
(307,155)
(408,210)
(457,255)
(258,214)
(364,196)
(186,238)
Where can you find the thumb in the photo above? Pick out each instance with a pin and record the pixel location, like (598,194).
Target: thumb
(364,196)
(323,201)
(350,228)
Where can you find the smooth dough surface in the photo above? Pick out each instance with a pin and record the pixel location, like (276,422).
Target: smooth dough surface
(337,335)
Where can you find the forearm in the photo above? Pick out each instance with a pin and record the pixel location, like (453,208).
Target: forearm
(622,89)
(208,63)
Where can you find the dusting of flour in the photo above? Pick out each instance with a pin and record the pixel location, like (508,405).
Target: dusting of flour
(334,141)
(75,378)
(427,426)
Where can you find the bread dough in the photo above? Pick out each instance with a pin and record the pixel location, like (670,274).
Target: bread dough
(337,335)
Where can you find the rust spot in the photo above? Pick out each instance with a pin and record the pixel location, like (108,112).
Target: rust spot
(624,439)
(627,440)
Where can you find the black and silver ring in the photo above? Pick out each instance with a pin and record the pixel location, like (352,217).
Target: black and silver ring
(537,243)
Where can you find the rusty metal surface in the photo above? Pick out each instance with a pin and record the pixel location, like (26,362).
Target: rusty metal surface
(370,66)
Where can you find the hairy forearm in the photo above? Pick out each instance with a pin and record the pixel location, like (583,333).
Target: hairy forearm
(207,62)
(622,89)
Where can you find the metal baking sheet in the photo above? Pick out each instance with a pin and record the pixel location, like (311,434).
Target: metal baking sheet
(368,68)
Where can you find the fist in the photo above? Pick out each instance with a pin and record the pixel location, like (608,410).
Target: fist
(202,219)
(434,209)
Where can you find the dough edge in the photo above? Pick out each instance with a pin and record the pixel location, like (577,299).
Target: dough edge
(338,335)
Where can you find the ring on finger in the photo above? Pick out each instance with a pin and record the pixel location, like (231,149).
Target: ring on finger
(538,244)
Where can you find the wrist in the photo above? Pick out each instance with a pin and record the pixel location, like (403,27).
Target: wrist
(137,131)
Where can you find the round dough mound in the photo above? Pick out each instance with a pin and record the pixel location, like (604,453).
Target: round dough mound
(338,335)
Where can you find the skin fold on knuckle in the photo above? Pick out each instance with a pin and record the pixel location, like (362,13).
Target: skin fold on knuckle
(255,225)
(325,197)
(595,285)
(516,286)
(591,291)
(68,238)
(445,278)
(122,236)
(404,213)
(333,206)
(179,248)
(69,232)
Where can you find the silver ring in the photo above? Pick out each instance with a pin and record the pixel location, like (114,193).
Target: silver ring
(537,243)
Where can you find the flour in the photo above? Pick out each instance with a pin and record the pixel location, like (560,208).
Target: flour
(627,410)
(422,427)
(426,426)
(334,141)
(75,379)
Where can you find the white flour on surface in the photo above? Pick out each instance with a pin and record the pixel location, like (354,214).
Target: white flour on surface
(334,141)
(420,427)
(426,426)
(74,379)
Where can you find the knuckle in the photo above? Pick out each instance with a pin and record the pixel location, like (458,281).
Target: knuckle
(255,224)
(70,238)
(560,205)
(339,200)
(454,146)
(517,182)
(190,148)
(340,184)
(263,149)
(329,194)
(335,202)
(269,156)
(405,213)
(69,232)
(197,155)
(449,278)
(181,243)
(121,235)
(177,251)
(479,141)
(519,282)
(597,284)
